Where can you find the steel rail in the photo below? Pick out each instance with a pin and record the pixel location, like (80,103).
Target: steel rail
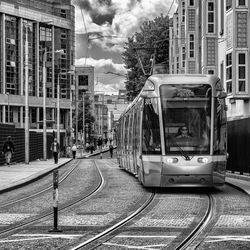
(61,180)
(44,215)
(117,225)
(200,227)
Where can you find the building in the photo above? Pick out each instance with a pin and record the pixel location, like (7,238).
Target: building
(84,86)
(234,55)
(212,37)
(108,109)
(37,51)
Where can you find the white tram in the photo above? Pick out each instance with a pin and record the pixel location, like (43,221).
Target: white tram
(174,132)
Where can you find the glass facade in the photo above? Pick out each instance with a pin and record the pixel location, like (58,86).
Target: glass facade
(11,55)
(23,36)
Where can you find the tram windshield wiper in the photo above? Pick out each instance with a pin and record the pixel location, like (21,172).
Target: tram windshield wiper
(186,156)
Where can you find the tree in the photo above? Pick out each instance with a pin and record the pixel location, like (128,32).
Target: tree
(89,118)
(154,38)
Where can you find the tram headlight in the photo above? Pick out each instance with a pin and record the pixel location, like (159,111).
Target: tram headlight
(172,160)
(203,160)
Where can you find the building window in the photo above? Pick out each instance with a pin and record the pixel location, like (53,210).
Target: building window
(83,80)
(191,67)
(211,51)
(242,2)
(229,73)
(183,56)
(228,4)
(210,17)
(191,45)
(241,78)
(210,72)
(191,20)
(183,12)
(222,18)
(241,29)
(191,2)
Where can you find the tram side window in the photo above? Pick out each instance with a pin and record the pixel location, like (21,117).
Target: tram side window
(220,128)
(150,129)
(126,133)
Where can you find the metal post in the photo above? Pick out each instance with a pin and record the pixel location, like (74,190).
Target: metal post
(58,109)
(83,121)
(102,117)
(55,201)
(26,99)
(44,106)
(76,117)
(70,118)
(8,106)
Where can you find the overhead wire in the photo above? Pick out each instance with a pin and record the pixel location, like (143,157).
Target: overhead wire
(86,31)
(170,7)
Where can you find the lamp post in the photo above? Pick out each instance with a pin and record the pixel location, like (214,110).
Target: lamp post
(8,94)
(27,147)
(83,121)
(58,109)
(44,107)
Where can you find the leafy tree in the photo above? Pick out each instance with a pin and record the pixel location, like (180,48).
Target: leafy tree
(153,40)
(89,118)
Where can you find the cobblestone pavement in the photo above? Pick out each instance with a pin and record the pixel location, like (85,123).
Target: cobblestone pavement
(168,219)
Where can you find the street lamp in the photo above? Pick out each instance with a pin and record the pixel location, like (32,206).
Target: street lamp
(27,147)
(8,94)
(44,106)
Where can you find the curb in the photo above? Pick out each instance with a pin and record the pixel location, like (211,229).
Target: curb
(30,179)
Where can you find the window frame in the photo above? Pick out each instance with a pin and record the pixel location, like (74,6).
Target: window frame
(238,79)
(211,23)
(191,41)
(229,66)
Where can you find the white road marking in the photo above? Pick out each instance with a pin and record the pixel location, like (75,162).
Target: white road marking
(228,238)
(31,237)
(145,236)
(149,247)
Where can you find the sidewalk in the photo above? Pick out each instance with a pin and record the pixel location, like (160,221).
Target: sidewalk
(18,174)
(240,181)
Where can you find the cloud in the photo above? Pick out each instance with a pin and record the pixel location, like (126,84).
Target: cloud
(120,19)
(108,74)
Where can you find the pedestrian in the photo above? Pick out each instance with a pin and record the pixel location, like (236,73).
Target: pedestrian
(111,148)
(8,150)
(99,143)
(55,148)
(73,149)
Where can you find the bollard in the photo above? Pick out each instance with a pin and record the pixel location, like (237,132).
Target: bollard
(101,154)
(55,201)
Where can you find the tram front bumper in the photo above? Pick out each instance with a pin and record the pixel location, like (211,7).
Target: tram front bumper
(191,173)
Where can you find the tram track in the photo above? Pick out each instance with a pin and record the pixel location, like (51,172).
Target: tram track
(88,244)
(200,227)
(46,214)
(45,189)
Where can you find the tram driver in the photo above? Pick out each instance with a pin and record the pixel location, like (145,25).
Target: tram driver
(183,132)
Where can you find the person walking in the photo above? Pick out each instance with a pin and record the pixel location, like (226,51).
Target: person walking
(8,150)
(111,148)
(55,148)
(73,149)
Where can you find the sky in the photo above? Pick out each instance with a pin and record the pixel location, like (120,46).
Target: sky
(103,26)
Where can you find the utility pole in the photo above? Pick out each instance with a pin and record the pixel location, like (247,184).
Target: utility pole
(44,106)
(58,108)
(83,121)
(27,147)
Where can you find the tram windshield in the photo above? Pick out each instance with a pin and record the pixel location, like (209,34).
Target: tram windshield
(186,111)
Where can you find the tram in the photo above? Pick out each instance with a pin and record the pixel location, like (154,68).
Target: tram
(174,133)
